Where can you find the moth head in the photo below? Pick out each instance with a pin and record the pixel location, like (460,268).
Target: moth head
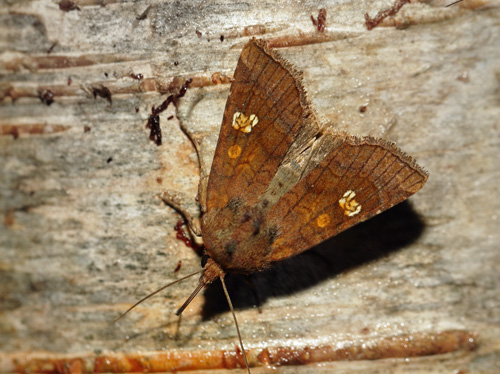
(238,237)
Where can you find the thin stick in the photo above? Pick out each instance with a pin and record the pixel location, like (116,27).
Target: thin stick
(235,321)
(155,292)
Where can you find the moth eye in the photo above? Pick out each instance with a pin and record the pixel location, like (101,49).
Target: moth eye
(231,247)
(204,260)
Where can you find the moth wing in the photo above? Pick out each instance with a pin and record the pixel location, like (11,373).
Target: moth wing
(266,116)
(351,180)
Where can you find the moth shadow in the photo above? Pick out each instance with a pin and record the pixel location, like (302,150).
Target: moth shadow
(373,239)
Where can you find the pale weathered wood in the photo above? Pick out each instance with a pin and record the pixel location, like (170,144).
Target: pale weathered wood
(84,233)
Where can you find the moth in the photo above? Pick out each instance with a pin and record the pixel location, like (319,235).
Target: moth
(280,183)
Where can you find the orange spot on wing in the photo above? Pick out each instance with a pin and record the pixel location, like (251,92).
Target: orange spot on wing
(323,220)
(234,151)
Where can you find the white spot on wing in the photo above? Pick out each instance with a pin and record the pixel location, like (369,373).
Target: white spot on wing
(244,123)
(350,206)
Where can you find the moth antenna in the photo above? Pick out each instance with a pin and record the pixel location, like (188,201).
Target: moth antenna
(155,292)
(190,298)
(211,271)
(235,322)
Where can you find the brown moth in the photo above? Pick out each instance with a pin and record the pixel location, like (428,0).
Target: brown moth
(280,183)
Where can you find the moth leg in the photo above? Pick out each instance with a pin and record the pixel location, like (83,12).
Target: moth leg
(173,200)
(204,172)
